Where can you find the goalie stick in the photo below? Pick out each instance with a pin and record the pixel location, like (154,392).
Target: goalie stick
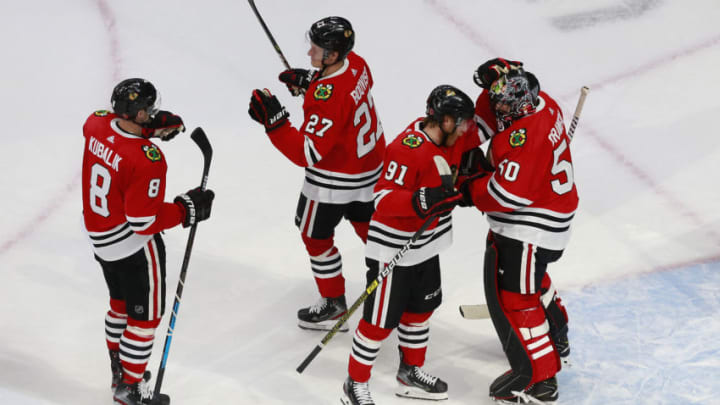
(447,181)
(480,311)
(199,137)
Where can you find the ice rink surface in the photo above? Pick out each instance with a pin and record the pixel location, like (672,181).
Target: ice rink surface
(640,276)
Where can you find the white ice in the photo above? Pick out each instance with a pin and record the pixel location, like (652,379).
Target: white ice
(640,276)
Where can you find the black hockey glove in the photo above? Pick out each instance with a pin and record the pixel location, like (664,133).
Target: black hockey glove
(464,188)
(434,201)
(491,70)
(297,80)
(267,110)
(164,125)
(197,204)
(474,161)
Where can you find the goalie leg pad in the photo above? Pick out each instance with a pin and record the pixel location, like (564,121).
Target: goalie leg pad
(557,316)
(520,323)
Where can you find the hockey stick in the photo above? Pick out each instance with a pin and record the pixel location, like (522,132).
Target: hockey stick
(198,135)
(447,181)
(480,311)
(578,109)
(269,35)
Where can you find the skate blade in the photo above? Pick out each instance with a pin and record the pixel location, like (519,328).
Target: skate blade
(325,326)
(417,393)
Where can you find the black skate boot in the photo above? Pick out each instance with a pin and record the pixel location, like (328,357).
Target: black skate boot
(356,393)
(414,382)
(116,368)
(543,392)
(324,314)
(139,393)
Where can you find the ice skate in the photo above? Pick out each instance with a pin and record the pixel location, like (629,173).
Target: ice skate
(139,393)
(414,382)
(543,392)
(356,393)
(323,314)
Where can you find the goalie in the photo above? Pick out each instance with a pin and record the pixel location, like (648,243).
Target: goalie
(530,200)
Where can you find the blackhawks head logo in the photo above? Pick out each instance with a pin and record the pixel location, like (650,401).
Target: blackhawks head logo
(152,152)
(101,113)
(412,141)
(518,137)
(323,92)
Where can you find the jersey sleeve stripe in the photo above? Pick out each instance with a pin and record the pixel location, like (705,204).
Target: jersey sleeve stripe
(312,156)
(485,131)
(505,198)
(140,223)
(379,196)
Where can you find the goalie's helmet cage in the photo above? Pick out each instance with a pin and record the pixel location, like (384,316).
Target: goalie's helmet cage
(449,100)
(133,95)
(333,34)
(519,92)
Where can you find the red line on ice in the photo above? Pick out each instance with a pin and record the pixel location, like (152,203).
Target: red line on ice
(109,21)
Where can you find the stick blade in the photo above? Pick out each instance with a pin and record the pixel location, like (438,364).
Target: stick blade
(479,311)
(443,169)
(199,137)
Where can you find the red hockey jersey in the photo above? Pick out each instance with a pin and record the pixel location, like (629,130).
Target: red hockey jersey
(341,142)
(123,189)
(531,196)
(408,166)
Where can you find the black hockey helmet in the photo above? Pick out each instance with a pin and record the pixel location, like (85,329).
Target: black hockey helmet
(519,91)
(333,34)
(449,100)
(133,95)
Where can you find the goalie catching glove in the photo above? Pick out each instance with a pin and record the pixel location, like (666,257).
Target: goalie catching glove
(267,110)
(297,80)
(197,204)
(164,125)
(434,201)
(487,73)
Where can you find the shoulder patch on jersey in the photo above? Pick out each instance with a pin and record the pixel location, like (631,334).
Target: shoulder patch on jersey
(152,152)
(412,141)
(101,113)
(323,92)
(518,137)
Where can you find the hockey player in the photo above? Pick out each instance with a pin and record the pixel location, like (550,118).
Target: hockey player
(123,191)
(408,193)
(530,200)
(340,144)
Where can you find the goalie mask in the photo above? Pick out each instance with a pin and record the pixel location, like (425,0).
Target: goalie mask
(514,96)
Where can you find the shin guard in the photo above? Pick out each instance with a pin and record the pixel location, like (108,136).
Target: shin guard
(366,346)
(326,265)
(414,333)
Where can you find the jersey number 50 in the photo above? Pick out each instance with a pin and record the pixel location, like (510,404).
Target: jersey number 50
(365,114)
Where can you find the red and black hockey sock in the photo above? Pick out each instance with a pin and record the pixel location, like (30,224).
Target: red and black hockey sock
(326,265)
(366,346)
(414,333)
(115,323)
(136,346)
